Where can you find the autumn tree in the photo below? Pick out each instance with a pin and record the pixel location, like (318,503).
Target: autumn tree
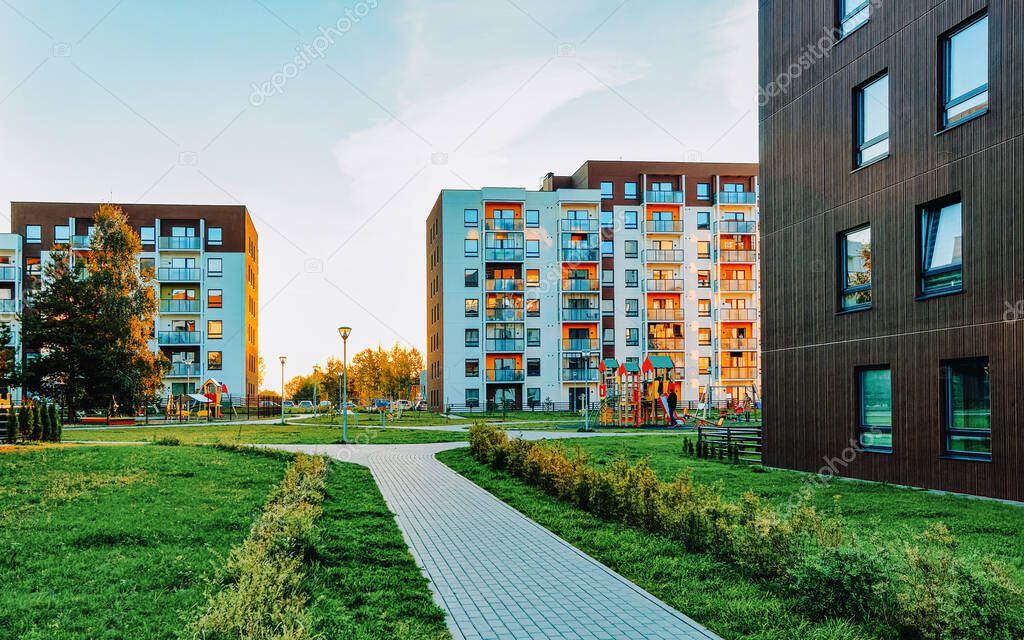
(377,373)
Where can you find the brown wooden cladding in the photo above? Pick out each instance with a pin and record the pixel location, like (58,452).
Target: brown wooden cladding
(435,306)
(810,193)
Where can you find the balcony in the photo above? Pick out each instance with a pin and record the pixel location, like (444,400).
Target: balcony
(581,284)
(503,224)
(580,344)
(737,315)
(505,375)
(665,344)
(664,226)
(504,315)
(9,274)
(739,373)
(665,315)
(170,274)
(8,306)
(184,370)
(737,197)
(505,345)
(738,344)
(179,306)
(665,284)
(663,255)
(579,375)
(588,225)
(580,255)
(493,284)
(738,286)
(81,242)
(179,337)
(737,256)
(179,243)
(504,254)
(665,197)
(576,314)
(731,227)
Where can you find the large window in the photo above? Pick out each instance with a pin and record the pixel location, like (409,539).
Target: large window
(533,248)
(630,191)
(607,248)
(855,270)
(472,278)
(852,15)
(703,191)
(147,235)
(472,308)
(967,408)
(533,367)
(703,220)
(215,298)
(965,72)
(533,337)
(632,248)
(472,248)
(472,337)
(532,218)
(215,267)
(872,107)
(632,220)
(471,217)
(472,398)
(704,249)
(33,234)
(61,234)
(874,408)
(632,278)
(632,307)
(632,337)
(214,235)
(472,368)
(533,308)
(214,360)
(607,190)
(214,329)
(941,248)
(533,397)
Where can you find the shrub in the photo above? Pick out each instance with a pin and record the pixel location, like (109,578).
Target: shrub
(26,423)
(55,423)
(12,426)
(37,423)
(848,582)
(43,417)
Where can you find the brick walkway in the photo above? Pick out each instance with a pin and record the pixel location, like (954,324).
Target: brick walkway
(497,573)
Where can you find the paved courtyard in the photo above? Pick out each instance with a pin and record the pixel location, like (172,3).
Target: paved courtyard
(498,574)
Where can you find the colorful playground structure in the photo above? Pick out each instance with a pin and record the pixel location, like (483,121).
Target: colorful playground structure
(206,404)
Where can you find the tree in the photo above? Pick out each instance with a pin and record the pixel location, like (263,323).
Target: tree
(261,371)
(12,425)
(10,374)
(44,422)
(55,426)
(376,373)
(25,423)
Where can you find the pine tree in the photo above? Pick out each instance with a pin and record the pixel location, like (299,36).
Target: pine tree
(25,420)
(12,426)
(37,423)
(55,427)
(44,420)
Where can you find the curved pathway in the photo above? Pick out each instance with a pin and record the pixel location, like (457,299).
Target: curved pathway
(498,574)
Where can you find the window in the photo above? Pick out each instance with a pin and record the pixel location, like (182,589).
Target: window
(33,233)
(533,367)
(147,265)
(965,73)
(855,249)
(703,190)
(533,397)
(215,298)
(533,277)
(632,278)
(472,368)
(704,308)
(472,337)
(733,187)
(215,329)
(214,360)
(472,278)
(472,248)
(147,235)
(608,335)
(632,248)
(607,278)
(533,337)
(872,121)
(61,234)
(630,191)
(607,190)
(607,219)
(533,308)
(703,249)
(874,408)
(703,220)
(533,248)
(967,408)
(607,248)
(704,337)
(632,220)
(941,248)
(471,218)
(703,278)
(632,337)
(215,267)
(853,14)
(472,398)
(607,307)
(178,232)
(472,308)
(632,307)
(532,218)
(704,366)
(214,235)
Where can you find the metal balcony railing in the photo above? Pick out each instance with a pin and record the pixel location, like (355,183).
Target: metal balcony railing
(184,370)
(738,344)
(503,224)
(739,373)
(666,284)
(81,242)
(499,315)
(515,284)
(730,227)
(665,315)
(664,226)
(579,375)
(737,256)
(580,255)
(505,344)
(171,274)
(504,255)
(579,225)
(179,243)
(179,337)
(505,375)
(665,197)
(179,306)
(737,285)
(580,344)
(737,197)
(576,314)
(666,344)
(580,284)
(663,255)
(737,315)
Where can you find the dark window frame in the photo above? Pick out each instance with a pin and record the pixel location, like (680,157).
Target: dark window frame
(945,400)
(862,426)
(843,288)
(535,215)
(946,102)
(476,218)
(923,217)
(842,19)
(475,275)
(860,144)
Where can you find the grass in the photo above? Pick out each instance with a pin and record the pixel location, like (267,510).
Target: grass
(204,433)
(119,542)
(713,593)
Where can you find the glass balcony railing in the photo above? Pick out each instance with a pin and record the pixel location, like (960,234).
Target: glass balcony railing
(499,315)
(503,224)
(184,370)
(576,314)
(663,255)
(664,226)
(580,344)
(737,286)
(9,274)
(502,284)
(580,255)
(8,306)
(665,344)
(738,344)
(179,337)
(505,375)
(737,256)
(505,344)
(739,373)
(504,255)
(179,243)
(179,306)
(737,315)
(665,197)
(664,315)
(737,227)
(581,225)
(579,375)
(169,274)
(737,197)
(580,284)
(81,242)
(666,284)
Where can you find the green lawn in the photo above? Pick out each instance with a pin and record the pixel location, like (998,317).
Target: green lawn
(119,542)
(203,433)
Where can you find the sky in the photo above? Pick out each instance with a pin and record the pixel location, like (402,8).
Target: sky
(337,123)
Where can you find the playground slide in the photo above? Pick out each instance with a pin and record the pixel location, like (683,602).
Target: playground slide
(664,406)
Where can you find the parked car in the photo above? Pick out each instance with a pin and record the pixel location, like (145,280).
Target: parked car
(404,405)
(326,404)
(306,404)
(268,403)
(288,404)
(421,405)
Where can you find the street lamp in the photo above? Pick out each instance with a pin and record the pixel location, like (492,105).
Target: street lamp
(344,332)
(282,359)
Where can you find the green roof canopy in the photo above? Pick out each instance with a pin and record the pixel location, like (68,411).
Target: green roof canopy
(632,367)
(661,362)
(610,364)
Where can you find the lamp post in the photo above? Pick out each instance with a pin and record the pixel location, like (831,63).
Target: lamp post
(282,359)
(344,332)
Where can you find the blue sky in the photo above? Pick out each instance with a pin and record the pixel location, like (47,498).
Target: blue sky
(340,162)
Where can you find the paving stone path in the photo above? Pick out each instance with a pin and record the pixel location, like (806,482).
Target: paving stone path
(498,574)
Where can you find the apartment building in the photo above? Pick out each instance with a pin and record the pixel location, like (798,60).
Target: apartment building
(206,262)
(891,243)
(527,291)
